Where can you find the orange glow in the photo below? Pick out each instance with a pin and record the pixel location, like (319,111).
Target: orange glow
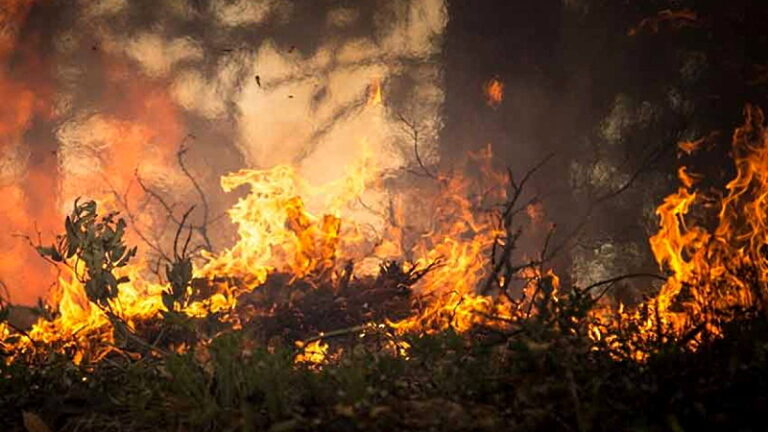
(28,180)
(689,147)
(686,178)
(675,19)
(278,233)
(715,272)
(288,225)
(374,95)
(494,92)
(313,354)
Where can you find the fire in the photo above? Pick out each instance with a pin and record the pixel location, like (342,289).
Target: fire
(276,230)
(313,354)
(374,95)
(675,19)
(289,226)
(690,147)
(711,263)
(83,329)
(456,243)
(494,92)
(716,271)
(686,178)
(279,233)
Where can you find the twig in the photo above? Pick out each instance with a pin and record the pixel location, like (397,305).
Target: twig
(202,229)
(621,278)
(654,155)
(123,201)
(501,262)
(415,137)
(180,228)
(335,333)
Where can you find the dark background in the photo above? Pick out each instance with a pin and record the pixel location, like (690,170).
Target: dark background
(571,68)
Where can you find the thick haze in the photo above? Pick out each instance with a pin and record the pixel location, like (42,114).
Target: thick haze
(104,93)
(98,94)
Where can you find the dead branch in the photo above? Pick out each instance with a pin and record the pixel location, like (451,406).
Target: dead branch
(201,229)
(654,155)
(621,278)
(180,256)
(413,130)
(501,262)
(122,200)
(335,333)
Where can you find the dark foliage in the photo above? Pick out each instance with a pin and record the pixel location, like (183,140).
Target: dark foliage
(545,375)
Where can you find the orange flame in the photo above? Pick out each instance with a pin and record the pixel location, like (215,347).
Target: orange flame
(313,354)
(374,95)
(686,178)
(715,272)
(676,19)
(494,92)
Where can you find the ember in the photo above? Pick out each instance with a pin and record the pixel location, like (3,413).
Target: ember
(494,92)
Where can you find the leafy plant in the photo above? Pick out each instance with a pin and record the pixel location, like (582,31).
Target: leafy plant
(179,271)
(98,244)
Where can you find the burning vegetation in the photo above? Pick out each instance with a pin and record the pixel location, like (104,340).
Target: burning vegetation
(393,292)
(294,287)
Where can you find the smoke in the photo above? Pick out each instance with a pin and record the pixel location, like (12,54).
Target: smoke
(105,93)
(26,190)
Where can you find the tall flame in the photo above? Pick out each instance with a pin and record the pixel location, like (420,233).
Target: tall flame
(717,270)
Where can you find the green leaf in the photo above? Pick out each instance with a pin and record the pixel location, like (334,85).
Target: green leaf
(50,252)
(168,301)
(117,252)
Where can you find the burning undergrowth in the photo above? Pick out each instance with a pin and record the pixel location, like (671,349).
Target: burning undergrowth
(312,319)
(293,275)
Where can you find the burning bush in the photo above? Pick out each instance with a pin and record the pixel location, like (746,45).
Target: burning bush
(281,331)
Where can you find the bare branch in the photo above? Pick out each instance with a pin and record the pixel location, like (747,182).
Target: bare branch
(123,201)
(414,132)
(644,166)
(202,229)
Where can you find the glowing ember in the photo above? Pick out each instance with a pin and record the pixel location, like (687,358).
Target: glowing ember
(690,147)
(494,92)
(676,19)
(686,178)
(313,354)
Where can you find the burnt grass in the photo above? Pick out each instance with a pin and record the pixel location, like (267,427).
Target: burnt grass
(544,373)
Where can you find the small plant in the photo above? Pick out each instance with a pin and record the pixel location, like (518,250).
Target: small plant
(98,244)
(179,271)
